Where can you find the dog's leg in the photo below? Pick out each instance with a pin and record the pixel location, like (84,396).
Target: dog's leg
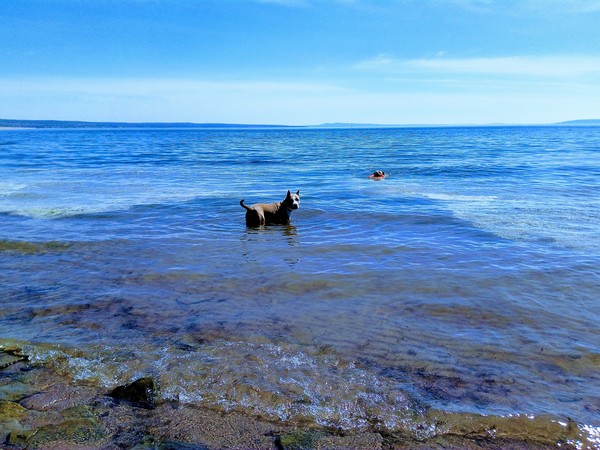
(254,218)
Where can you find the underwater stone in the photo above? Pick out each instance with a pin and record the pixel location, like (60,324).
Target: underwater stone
(80,431)
(59,396)
(8,358)
(300,440)
(11,415)
(140,393)
(14,390)
(152,443)
(11,411)
(19,437)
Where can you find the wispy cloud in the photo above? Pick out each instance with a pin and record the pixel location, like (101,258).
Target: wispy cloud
(525,6)
(288,3)
(525,66)
(562,6)
(168,99)
(177,100)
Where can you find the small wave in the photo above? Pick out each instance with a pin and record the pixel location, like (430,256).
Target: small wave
(54,213)
(8,188)
(260,379)
(462,198)
(292,385)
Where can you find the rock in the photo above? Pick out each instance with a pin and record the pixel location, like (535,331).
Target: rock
(59,397)
(79,431)
(300,440)
(12,390)
(10,357)
(152,443)
(11,415)
(140,393)
(18,437)
(11,411)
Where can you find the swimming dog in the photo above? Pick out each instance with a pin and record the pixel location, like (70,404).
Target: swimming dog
(377,175)
(271,213)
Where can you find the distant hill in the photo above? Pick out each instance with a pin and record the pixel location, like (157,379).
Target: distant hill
(353,125)
(11,123)
(583,122)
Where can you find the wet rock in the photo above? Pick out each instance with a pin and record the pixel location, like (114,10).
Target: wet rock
(152,443)
(19,437)
(58,397)
(320,440)
(300,440)
(12,390)
(11,415)
(371,441)
(140,393)
(8,357)
(79,431)
(211,429)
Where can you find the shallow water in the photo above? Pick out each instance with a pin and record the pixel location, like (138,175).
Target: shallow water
(467,281)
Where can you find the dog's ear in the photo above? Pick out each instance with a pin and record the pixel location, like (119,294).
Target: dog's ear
(298,192)
(289,194)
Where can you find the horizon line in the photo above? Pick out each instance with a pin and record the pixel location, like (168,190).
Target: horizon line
(39,123)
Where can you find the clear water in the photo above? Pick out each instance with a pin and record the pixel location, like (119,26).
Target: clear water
(467,281)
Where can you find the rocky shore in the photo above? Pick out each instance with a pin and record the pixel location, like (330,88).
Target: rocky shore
(40,409)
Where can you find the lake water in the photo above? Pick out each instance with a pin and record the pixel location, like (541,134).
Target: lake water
(466,281)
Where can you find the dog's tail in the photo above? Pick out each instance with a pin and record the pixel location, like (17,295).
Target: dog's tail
(244,206)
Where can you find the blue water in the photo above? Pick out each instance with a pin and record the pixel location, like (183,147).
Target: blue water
(466,281)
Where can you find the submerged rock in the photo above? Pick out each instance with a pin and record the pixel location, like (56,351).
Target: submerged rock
(12,390)
(10,357)
(79,431)
(29,248)
(59,396)
(140,393)
(11,416)
(300,440)
(152,443)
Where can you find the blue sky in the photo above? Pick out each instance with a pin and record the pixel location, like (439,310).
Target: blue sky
(301,61)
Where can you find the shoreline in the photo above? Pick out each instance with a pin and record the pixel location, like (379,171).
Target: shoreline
(42,409)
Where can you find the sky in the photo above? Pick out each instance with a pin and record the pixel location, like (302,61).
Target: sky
(301,62)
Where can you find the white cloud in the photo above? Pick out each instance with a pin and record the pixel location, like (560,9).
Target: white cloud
(541,67)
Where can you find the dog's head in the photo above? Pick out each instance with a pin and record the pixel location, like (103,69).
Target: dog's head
(292,201)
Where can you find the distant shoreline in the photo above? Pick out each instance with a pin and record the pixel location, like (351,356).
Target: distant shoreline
(13,124)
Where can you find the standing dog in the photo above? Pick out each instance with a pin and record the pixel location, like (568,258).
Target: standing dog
(269,213)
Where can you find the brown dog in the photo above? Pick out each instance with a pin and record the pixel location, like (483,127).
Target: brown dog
(271,213)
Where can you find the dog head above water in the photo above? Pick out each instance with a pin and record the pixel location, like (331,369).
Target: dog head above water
(292,201)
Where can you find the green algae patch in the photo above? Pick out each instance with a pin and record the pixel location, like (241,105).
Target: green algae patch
(30,248)
(8,358)
(522,428)
(152,443)
(14,390)
(300,440)
(76,430)
(11,411)
(11,417)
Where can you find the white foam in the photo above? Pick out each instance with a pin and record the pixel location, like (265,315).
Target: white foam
(8,188)
(461,198)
